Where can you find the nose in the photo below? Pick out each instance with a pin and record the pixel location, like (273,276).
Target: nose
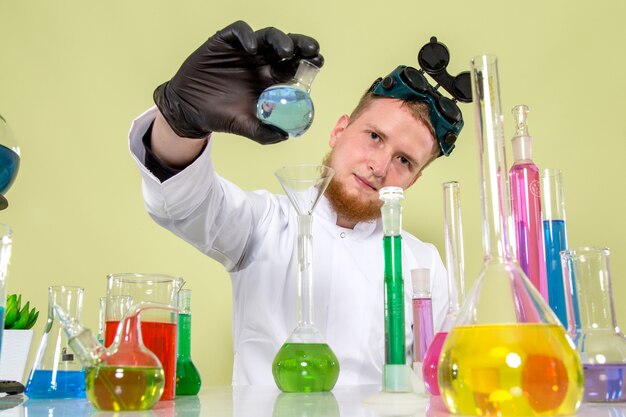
(379,164)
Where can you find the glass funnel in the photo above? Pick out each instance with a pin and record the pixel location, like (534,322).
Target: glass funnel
(56,372)
(9,160)
(288,107)
(125,376)
(305,362)
(601,343)
(507,354)
(455,264)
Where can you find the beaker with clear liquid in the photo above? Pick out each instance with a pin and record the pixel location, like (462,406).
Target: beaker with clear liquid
(305,362)
(126,376)
(507,354)
(56,372)
(601,343)
(289,107)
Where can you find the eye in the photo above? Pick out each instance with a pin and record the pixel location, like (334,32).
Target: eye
(404,161)
(374,136)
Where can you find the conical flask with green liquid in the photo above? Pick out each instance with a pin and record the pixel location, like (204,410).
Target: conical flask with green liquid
(305,362)
(507,354)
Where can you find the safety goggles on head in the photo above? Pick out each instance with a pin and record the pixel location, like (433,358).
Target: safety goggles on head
(410,84)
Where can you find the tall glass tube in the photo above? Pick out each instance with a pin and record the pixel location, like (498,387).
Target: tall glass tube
(555,237)
(491,363)
(455,264)
(422,314)
(188,381)
(526,204)
(395,375)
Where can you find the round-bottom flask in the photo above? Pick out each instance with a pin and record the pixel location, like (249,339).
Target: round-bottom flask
(601,344)
(289,107)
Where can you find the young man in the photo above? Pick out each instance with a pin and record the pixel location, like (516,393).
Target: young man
(385,141)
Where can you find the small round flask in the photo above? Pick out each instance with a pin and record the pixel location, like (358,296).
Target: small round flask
(601,344)
(288,107)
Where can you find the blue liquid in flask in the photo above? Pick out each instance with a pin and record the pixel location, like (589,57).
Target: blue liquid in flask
(288,108)
(60,384)
(9,165)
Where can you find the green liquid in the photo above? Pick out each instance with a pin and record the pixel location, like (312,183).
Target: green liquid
(119,388)
(395,344)
(305,367)
(188,380)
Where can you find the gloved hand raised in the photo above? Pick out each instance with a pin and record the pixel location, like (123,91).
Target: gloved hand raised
(217,87)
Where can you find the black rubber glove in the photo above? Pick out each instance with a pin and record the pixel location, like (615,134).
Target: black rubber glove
(217,87)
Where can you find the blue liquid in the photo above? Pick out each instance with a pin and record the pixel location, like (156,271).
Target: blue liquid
(68,384)
(290,109)
(1,325)
(9,165)
(555,239)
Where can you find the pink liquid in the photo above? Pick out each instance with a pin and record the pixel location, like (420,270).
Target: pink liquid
(422,327)
(161,339)
(526,208)
(430,368)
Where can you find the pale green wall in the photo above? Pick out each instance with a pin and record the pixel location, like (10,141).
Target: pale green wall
(73,74)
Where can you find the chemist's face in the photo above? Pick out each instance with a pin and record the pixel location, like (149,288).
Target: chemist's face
(384,146)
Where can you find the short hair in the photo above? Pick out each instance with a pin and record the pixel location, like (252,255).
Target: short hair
(418,109)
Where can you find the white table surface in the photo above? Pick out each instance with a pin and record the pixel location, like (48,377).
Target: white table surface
(229,401)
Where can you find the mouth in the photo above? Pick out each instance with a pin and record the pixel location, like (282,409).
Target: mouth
(364,183)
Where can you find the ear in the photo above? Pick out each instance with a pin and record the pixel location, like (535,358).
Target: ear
(338,130)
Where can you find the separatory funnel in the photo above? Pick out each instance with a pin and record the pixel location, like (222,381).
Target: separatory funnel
(305,362)
(288,107)
(507,354)
(125,376)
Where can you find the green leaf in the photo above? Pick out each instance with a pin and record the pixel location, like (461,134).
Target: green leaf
(10,317)
(32,318)
(23,319)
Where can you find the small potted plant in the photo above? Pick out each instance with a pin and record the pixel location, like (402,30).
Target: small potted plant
(16,338)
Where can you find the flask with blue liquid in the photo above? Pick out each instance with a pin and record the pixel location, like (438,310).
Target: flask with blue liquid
(288,107)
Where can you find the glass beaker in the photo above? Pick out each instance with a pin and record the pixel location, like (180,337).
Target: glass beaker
(9,160)
(455,264)
(507,354)
(289,107)
(56,372)
(601,344)
(6,244)
(305,362)
(188,381)
(159,328)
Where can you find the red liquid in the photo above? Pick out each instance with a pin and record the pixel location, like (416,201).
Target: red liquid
(430,368)
(160,338)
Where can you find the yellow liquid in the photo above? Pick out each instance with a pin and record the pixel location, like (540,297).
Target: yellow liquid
(120,388)
(510,370)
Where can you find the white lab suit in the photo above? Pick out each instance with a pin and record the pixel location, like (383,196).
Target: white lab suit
(254,235)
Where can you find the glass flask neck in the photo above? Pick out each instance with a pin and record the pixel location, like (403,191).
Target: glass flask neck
(522,141)
(593,281)
(305,75)
(305,283)
(495,199)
